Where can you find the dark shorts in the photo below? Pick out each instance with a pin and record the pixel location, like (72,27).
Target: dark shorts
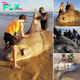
(10,38)
(61,11)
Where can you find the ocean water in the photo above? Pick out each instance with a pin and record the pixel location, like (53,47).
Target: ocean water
(7,17)
(55,15)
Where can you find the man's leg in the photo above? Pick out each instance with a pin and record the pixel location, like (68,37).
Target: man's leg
(58,14)
(62,12)
(5,47)
(68,60)
(71,59)
(14,56)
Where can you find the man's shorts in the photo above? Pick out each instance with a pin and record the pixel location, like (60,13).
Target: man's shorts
(10,38)
(61,11)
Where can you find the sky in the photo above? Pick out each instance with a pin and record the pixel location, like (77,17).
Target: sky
(28,5)
(57,4)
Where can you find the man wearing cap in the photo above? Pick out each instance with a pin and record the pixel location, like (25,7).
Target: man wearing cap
(44,19)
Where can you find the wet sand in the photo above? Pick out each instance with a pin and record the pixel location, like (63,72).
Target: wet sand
(71,24)
(36,68)
(74,75)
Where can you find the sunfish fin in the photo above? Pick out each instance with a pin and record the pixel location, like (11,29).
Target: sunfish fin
(35,12)
(71,7)
(36,25)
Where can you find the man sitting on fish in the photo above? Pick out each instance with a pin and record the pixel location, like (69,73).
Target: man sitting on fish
(67,6)
(62,8)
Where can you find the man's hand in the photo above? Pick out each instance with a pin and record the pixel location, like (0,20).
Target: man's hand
(35,16)
(18,35)
(26,35)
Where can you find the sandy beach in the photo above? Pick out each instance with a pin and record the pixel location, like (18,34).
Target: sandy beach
(71,24)
(75,75)
(37,68)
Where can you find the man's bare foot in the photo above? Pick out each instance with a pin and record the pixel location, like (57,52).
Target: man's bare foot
(17,67)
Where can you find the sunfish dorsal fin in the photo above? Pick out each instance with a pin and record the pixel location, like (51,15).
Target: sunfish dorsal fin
(36,25)
(35,12)
(71,7)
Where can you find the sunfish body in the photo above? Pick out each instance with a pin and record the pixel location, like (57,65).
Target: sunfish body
(63,44)
(70,16)
(38,42)
(63,67)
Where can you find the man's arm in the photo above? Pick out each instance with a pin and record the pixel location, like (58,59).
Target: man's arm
(64,8)
(41,17)
(22,32)
(60,8)
(18,35)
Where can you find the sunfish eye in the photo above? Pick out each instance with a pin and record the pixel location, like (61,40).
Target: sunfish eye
(63,18)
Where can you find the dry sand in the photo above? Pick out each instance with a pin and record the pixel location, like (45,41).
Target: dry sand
(66,24)
(37,68)
(75,75)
